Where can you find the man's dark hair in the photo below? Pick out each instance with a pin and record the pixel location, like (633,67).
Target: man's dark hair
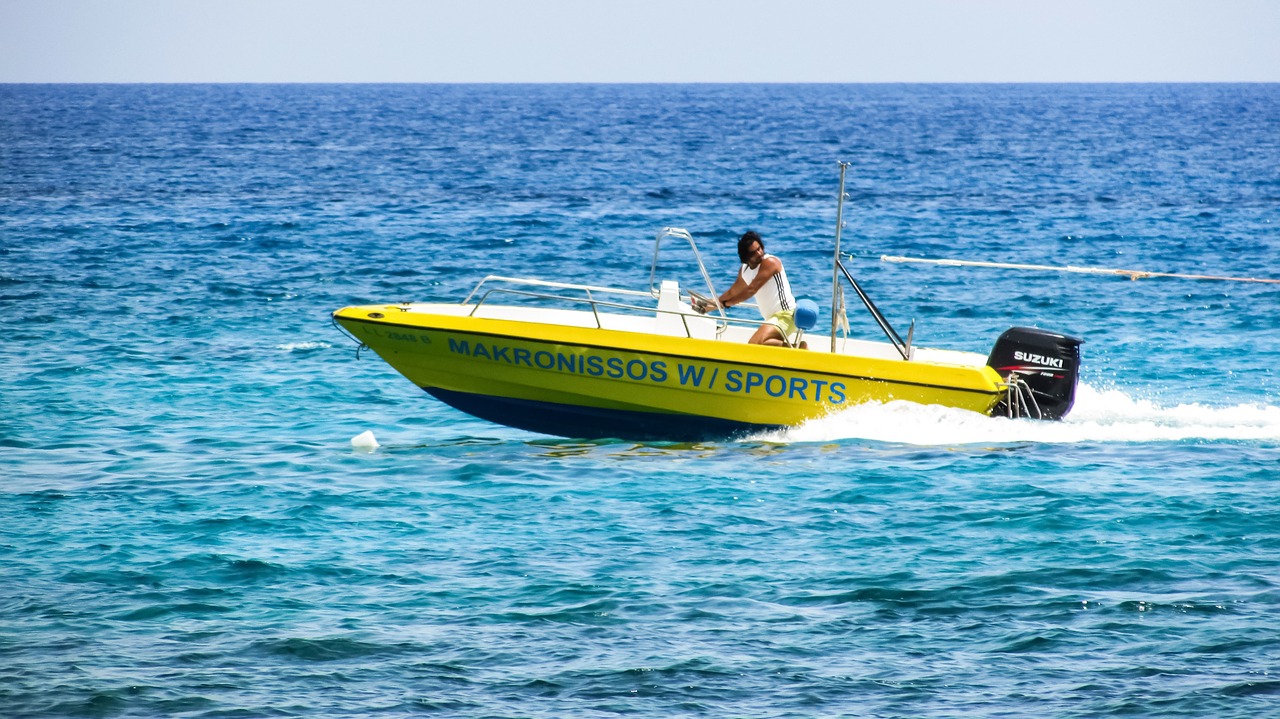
(744,244)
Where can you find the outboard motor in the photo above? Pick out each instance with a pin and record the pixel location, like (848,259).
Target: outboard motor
(1042,368)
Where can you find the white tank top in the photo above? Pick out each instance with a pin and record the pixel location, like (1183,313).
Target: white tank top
(776,295)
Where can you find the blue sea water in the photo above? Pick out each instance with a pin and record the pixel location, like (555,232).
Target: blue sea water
(187,531)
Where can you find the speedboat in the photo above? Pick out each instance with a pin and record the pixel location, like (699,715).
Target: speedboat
(584,361)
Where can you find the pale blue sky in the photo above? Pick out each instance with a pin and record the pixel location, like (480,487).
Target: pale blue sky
(639,41)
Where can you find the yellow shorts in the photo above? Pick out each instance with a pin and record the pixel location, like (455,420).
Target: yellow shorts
(785,321)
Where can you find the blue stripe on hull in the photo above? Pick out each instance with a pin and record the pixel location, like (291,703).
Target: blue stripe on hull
(592,422)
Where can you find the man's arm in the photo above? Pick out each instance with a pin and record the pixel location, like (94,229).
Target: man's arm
(741,291)
(706,304)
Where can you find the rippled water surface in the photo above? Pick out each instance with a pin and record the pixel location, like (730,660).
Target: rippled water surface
(187,531)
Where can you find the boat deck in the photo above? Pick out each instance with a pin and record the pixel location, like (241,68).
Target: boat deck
(684,324)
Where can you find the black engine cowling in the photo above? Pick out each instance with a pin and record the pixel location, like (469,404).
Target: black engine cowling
(1046,365)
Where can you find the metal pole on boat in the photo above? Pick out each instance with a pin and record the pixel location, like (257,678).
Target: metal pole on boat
(835,268)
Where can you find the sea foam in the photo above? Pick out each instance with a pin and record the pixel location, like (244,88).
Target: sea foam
(1098,416)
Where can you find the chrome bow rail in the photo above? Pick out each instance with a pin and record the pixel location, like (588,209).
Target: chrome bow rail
(589,296)
(589,292)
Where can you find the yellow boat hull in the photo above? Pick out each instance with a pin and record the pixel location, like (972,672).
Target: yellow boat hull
(591,382)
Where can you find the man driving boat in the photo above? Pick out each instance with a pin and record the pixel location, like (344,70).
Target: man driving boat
(762,277)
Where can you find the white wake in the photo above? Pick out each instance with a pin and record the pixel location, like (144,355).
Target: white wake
(1098,416)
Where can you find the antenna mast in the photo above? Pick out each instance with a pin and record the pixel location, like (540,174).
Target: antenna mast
(836,299)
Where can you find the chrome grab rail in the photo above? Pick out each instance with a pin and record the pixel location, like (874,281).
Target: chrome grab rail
(557,285)
(679,233)
(683,234)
